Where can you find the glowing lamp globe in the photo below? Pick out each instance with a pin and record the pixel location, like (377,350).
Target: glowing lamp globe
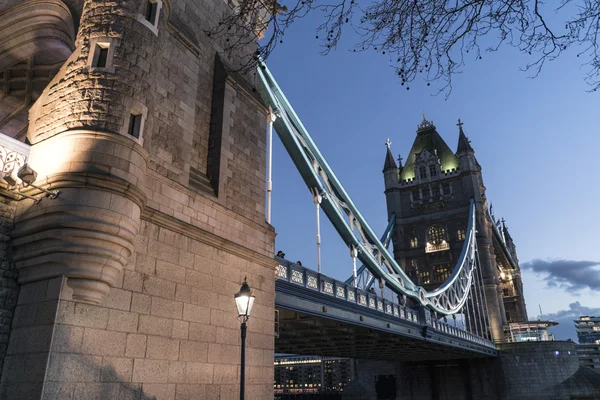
(244,300)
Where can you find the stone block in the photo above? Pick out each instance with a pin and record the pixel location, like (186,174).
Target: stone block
(183,293)
(119,299)
(116,369)
(96,391)
(198,372)
(135,346)
(156,371)
(74,368)
(162,348)
(80,314)
(153,325)
(67,339)
(223,353)
(159,391)
(103,342)
(140,303)
(202,332)
(132,281)
(196,313)
(181,329)
(166,308)
(159,287)
(190,350)
(58,390)
(169,271)
(225,374)
(177,372)
(193,392)
(122,321)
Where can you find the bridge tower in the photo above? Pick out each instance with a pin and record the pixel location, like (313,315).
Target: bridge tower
(430,196)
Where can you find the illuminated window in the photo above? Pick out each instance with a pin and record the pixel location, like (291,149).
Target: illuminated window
(423,172)
(506,292)
(432,170)
(442,272)
(461,234)
(436,234)
(596,328)
(414,242)
(424,277)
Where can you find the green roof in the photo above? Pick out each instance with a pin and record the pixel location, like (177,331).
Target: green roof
(428,138)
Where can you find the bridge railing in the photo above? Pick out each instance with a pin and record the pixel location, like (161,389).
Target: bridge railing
(299,275)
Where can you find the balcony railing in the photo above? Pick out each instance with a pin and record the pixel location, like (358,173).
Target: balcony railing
(306,278)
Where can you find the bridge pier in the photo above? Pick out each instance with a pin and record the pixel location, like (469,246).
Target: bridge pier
(523,371)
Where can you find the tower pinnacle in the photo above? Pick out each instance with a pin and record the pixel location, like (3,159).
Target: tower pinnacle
(464,144)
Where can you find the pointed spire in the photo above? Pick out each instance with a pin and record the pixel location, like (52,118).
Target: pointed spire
(389,158)
(400,161)
(464,144)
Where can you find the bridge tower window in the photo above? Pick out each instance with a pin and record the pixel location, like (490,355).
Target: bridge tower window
(414,242)
(442,272)
(461,234)
(424,277)
(423,172)
(432,170)
(436,239)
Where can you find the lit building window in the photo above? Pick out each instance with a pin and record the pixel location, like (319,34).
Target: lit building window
(414,242)
(506,292)
(436,239)
(461,234)
(423,172)
(442,272)
(424,277)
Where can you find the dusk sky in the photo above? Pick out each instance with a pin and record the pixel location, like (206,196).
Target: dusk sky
(537,141)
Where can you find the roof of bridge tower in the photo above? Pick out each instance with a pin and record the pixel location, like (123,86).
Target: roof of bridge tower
(464,144)
(389,158)
(428,138)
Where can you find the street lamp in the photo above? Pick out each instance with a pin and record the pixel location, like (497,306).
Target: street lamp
(244,300)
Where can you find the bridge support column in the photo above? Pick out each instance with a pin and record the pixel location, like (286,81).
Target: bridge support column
(493,297)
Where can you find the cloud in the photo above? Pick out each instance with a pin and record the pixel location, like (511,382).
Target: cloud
(569,275)
(566,328)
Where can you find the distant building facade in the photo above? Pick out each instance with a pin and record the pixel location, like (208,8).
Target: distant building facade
(430,195)
(530,331)
(308,374)
(589,356)
(588,329)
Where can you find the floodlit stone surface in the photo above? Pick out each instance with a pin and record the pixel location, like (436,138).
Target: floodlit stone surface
(127,279)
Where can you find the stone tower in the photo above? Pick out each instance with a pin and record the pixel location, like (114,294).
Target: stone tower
(430,195)
(125,282)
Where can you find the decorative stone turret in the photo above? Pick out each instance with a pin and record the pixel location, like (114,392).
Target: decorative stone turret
(87,132)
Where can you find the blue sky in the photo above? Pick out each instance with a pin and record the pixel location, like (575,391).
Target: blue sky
(537,141)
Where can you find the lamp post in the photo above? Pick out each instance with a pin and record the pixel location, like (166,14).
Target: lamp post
(244,300)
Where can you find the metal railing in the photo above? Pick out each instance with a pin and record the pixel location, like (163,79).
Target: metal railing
(303,277)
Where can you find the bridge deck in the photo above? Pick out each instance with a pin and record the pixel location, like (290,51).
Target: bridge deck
(322,321)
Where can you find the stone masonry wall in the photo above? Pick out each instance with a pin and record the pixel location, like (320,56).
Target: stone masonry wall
(9,287)
(168,328)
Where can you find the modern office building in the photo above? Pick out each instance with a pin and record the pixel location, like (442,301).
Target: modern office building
(588,329)
(530,331)
(308,374)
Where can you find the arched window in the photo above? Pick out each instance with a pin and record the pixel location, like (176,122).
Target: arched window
(436,234)
(436,239)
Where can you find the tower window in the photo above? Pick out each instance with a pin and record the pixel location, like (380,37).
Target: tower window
(151,11)
(135,124)
(414,242)
(102,56)
(442,272)
(424,277)
(422,172)
(446,188)
(435,190)
(437,234)
(432,170)
(506,292)
(461,234)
